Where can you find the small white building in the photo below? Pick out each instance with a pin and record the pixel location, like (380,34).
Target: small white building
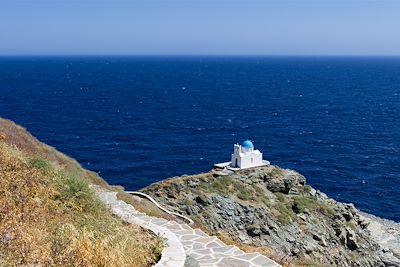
(244,156)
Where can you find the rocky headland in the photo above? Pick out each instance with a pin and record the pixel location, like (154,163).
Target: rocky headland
(50,216)
(272,211)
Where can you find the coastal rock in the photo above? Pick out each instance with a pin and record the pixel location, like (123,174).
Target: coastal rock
(273,209)
(202,200)
(390,260)
(351,241)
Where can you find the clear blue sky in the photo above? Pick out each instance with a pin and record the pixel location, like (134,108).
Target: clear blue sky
(200,27)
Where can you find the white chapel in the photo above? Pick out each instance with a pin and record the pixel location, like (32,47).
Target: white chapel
(244,156)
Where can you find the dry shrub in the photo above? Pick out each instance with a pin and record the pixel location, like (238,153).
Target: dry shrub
(50,217)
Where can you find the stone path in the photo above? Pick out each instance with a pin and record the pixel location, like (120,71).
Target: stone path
(209,250)
(182,240)
(173,255)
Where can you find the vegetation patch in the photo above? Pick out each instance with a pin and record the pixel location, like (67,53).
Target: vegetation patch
(300,203)
(228,186)
(285,215)
(40,164)
(49,216)
(283,209)
(275,172)
(224,185)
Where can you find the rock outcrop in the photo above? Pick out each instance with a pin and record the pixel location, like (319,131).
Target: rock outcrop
(273,211)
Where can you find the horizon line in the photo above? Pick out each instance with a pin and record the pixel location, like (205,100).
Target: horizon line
(199,55)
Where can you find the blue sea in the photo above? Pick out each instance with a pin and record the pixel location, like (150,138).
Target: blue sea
(138,120)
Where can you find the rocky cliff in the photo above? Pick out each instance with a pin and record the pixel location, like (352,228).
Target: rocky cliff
(273,211)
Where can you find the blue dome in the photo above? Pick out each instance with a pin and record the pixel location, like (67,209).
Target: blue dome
(247,144)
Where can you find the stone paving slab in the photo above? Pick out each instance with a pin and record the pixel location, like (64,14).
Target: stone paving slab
(182,240)
(159,221)
(200,232)
(209,251)
(184,232)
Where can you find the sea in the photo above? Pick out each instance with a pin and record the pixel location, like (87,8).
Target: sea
(141,119)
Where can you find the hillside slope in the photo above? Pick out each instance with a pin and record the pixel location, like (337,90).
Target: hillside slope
(49,216)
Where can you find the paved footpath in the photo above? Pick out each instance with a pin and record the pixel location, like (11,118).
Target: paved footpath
(182,240)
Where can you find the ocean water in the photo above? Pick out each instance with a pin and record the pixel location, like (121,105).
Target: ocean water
(138,120)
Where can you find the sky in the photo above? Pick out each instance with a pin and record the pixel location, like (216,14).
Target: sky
(199,27)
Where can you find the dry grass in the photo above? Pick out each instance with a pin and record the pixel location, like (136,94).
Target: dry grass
(50,217)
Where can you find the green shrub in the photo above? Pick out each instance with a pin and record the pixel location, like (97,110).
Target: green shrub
(76,193)
(301,203)
(40,164)
(327,210)
(306,189)
(245,194)
(73,187)
(222,185)
(281,197)
(285,214)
